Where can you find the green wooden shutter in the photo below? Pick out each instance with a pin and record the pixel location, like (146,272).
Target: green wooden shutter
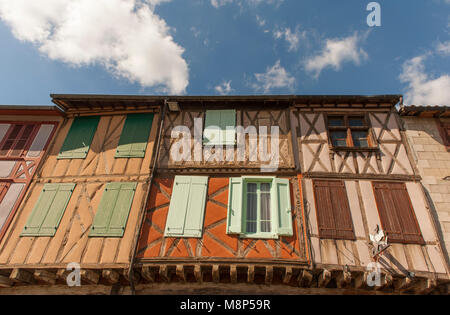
(79,138)
(48,211)
(112,213)
(282,197)
(187,207)
(134,138)
(234,220)
(221,119)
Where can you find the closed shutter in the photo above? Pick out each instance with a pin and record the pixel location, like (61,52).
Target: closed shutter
(333,211)
(220,119)
(396,213)
(134,137)
(283,199)
(112,213)
(234,217)
(48,211)
(187,207)
(79,138)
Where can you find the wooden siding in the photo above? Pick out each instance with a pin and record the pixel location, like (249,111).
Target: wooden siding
(71,242)
(426,260)
(244,118)
(215,243)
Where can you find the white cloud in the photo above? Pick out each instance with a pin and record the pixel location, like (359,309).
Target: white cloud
(423,90)
(335,53)
(444,48)
(125,36)
(224,88)
(275,77)
(292,37)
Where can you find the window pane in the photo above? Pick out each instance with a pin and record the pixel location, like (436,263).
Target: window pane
(336,121)
(360,139)
(265,207)
(356,122)
(339,138)
(251,208)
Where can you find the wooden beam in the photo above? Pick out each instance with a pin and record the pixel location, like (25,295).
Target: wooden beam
(361,281)
(45,276)
(403,284)
(251,274)
(163,273)
(269,275)
(21,276)
(343,279)
(180,273)
(233,273)
(426,286)
(147,274)
(90,276)
(5,282)
(305,278)
(386,281)
(198,273)
(324,278)
(287,275)
(215,273)
(110,276)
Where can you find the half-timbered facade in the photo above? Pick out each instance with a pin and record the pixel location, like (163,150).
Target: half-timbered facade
(84,203)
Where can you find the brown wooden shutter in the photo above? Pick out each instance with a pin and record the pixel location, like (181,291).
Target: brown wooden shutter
(396,213)
(333,211)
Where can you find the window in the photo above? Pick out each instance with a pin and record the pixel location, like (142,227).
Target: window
(332,209)
(347,131)
(220,127)
(79,138)
(16,140)
(396,213)
(112,213)
(48,211)
(187,207)
(134,137)
(259,207)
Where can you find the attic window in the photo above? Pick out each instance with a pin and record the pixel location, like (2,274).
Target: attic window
(349,132)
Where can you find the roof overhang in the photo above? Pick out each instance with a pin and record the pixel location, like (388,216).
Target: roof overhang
(30,110)
(425,111)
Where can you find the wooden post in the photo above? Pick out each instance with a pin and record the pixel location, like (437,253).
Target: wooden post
(147,274)
(251,274)
(343,279)
(198,273)
(324,278)
(386,281)
(90,276)
(287,275)
(403,284)
(45,276)
(233,273)
(269,275)
(426,286)
(305,278)
(180,273)
(215,273)
(21,276)
(5,282)
(111,276)
(163,273)
(361,281)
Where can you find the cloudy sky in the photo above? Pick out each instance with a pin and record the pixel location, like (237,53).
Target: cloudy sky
(223,47)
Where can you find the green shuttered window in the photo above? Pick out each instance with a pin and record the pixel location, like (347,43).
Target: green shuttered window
(48,211)
(79,138)
(187,207)
(220,127)
(134,138)
(259,207)
(112,213)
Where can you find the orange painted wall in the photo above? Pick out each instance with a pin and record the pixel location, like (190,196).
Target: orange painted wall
(215,243)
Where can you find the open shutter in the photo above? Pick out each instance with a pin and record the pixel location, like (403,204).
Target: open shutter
(234,219)
(333,210)
(228,119)
(112,213)
(48,211)
(212,133)
(134,137)
(187,207)
(79,138)
(396,213)
(283,206)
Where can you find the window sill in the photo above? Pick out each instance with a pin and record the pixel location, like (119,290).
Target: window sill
(353,149)
(259,236)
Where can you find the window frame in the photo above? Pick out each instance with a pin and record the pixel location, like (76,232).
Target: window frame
(222,142)
(27,143)
(371,142)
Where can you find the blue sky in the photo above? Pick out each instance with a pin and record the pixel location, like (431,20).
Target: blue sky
(214,47)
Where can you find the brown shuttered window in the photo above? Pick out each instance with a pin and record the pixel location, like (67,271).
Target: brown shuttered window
(333,211)
(396,213)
